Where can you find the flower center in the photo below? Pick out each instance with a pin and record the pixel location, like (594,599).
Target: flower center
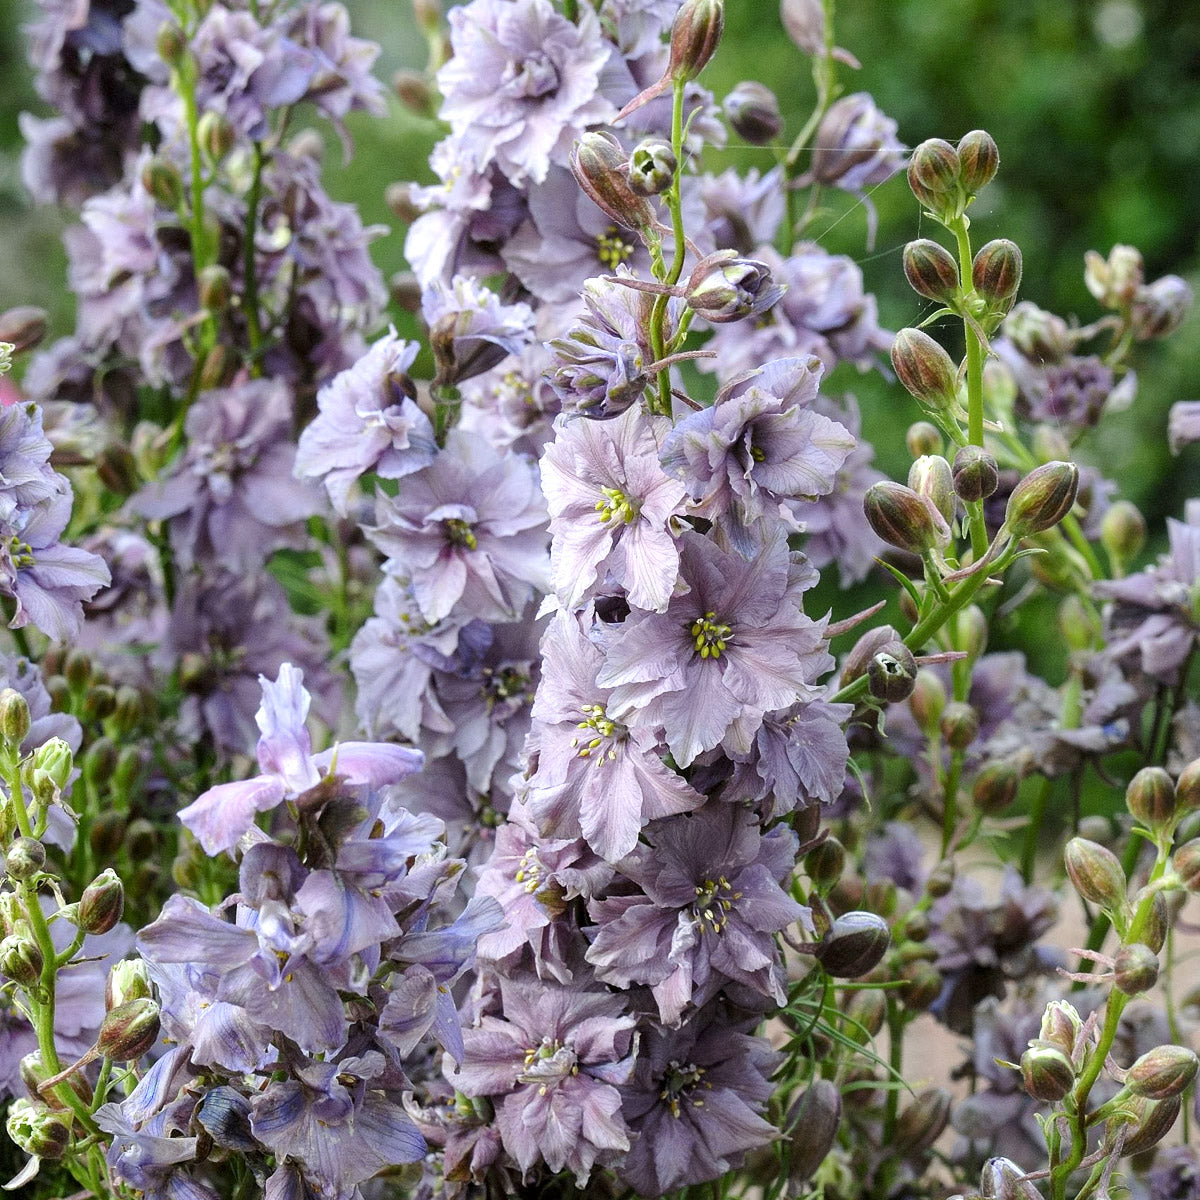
(503,683)
(459,533)
(714,901)
(617,507)
(680,1080)
(612,249)
(529,871)
(21,553)
(710,635)
(597,721)
(548,1062)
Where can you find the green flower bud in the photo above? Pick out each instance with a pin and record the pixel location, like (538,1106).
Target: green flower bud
(1155,933)
(22,327)
(99,762)
(1002,1179)
(141,840)
(925,369)
(213,373)
(127,981)
(129,1030)
(1135,969)
(923,438)
(930,477)
(652,166)
(1096,829)
(127,771)
(21,960)
(1096,873)
(752,110)
(107,834)
(904,519)
(976,473)
(1150,798)
(868,645)
(405,290)
(960,725)
(162,180)
(922,1122)
(171,44)
(1187,788)
(1061,1026)
(996,273)
(214,288)
(868,1010)
(1047,1073)
(25,858)
(38,1129)
(412,89)
(971,631)
(1050,444)
(995,787)
(928,702)
(60,693)
(34,1073)
(1123,532)
(723,287)
(216,134)
(933,175)
(979,159)
(1162,1072)
(812,1122)
(78,669)
(1078,623)
(916,926)
(14,717)
(102,903)
(892,673)
(1039,335)
(825,863)
(855,943)
(118,469)
(922,985)
(1115,280)
(398,196)
(1153,1120)
(1042,499)
(931,270)
(600,168)
(694,37)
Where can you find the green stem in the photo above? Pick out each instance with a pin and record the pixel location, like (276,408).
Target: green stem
(950,799)
(250,266)
(895,1022)
(184,79)
(658,313)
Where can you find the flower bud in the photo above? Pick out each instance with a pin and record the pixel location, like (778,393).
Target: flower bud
(865,649)
(213,370)
(129,1030)
(1047,1073)
(102,903)
(804,21)
(412,89)
(933,176)
(930,477)
(1061,1026)
(922,985)
(215,134)
(752,109)
(1150,798)
(1160,308)
(25,858)
(922,1122)
(960,725)
(99,761)
(38,1129)
(996,273)
(1135,969)
(1002,1179)
(14,717)
(855,145)
(600,168)
(723,287)
(652,166)
(940,880)
(904,519)
(21,960)
(127,981)
(398,197)
(916,926)
(1187,788)
(976,473)
(171,44)
(928,701)
(813,1123)
(1096,873)
(22,327)
(931,270)
(995,787)
(214,289)
(162,180)
(824,863)
(978,159)
(1155,932)
(107,833)
(1115,280)
(892,673)
(868,1010)
(925,369)
(1153,1120)
(34,1073)
(1162,1072)
(1078,623)
(78,669)
(98,704)
(694,37)
(1042,499)
(855,943)
(923,438)
(1123,532)
(1039,335)
(118,469)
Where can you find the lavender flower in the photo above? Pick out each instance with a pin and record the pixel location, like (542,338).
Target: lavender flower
(707,906)
(743,212)
(734,647)
(471,330)
(368,421)
(695,1102)
(231,496)
(467,531)
(855,145)
(523,83)
(550,1063)
(612,508)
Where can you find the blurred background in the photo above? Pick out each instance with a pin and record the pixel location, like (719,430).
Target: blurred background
(1095,105)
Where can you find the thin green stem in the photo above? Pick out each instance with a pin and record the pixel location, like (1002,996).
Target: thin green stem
(254,332)
(950,788)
